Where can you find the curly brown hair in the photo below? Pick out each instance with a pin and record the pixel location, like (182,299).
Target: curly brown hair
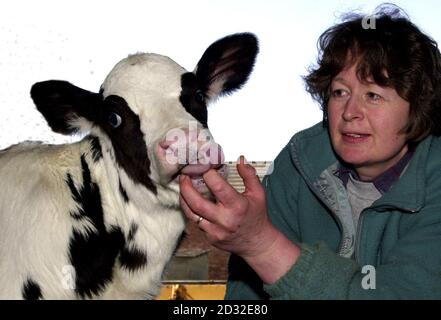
(393,53)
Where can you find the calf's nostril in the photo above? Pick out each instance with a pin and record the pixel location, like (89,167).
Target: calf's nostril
(165,144)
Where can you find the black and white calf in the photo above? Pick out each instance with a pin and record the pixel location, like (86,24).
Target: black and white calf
(100,218)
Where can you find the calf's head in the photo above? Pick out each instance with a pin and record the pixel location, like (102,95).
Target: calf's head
(151,114)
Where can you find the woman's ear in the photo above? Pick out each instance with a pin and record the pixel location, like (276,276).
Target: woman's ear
(65,106)
(226,64)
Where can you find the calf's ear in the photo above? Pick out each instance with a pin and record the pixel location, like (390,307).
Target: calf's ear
(65,106)
(226,64)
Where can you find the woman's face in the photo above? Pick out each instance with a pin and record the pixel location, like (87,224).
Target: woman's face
(365,123)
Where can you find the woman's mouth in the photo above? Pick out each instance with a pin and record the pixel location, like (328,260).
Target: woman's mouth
(351,137)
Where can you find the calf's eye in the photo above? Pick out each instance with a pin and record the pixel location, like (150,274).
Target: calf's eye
(199,96)
(114,120)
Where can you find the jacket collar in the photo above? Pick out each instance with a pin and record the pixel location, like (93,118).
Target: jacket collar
(312,153)
(410,190)
(385,180)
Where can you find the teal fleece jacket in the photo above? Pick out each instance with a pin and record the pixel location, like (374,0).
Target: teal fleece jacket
(395,253)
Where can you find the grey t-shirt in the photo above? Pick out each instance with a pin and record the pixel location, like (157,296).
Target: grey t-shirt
(361,195)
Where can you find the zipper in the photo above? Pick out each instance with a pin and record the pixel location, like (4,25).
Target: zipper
(320,196)
(357,237)
(360,224)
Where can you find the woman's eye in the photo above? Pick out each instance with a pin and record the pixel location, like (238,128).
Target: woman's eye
(114,120)
(373,96)
(199,96)
(338,93)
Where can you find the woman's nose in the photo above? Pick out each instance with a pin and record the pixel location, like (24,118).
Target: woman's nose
(352,109)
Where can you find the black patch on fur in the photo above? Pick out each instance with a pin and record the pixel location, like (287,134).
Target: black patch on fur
(192,98)
(59,102)
(133,230)
(88,196)
(93,256)
(77,215)
(132,259)
(229,61)
(127,140)
(31,290)
(95,146)
(123,193)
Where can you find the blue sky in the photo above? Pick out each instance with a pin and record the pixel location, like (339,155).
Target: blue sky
(80,41)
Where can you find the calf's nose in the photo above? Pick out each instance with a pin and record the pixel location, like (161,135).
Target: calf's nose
(192,147)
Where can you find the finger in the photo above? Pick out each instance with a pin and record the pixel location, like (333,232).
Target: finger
(203,224)
(194,200)
(213,232)
(220,188)
(191,216)
(249,176)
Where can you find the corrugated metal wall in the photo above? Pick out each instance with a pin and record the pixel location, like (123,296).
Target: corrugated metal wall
(262,168)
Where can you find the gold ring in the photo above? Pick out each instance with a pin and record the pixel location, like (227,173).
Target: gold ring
(199,220)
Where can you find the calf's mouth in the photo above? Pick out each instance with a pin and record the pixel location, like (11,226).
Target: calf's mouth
(196,172)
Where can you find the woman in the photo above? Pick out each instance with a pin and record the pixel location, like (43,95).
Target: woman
(352,209)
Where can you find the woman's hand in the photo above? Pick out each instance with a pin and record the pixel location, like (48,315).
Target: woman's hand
(238,222)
